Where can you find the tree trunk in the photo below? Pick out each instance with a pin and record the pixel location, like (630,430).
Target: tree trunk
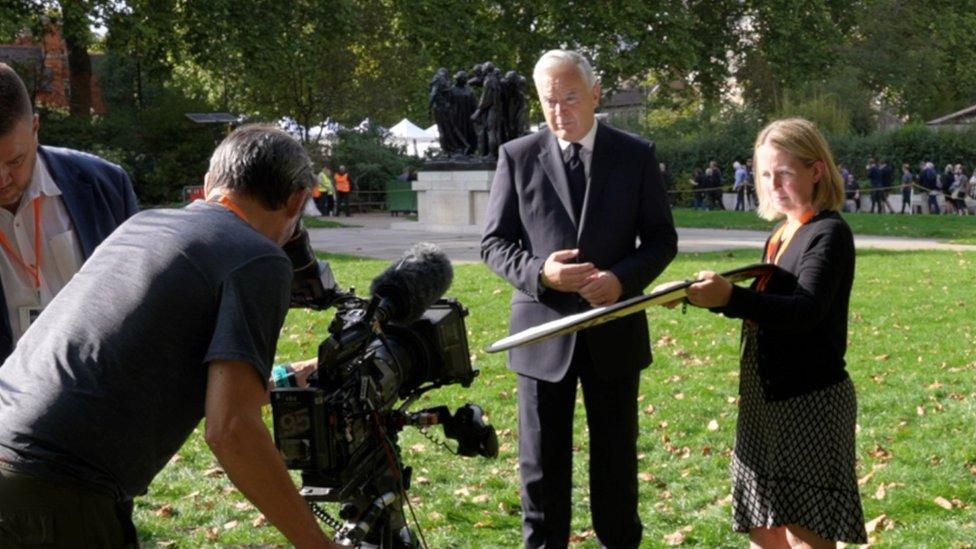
(76,36)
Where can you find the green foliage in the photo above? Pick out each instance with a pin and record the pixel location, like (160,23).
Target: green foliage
(731,137)
(158,146)
(370,160)
(909,144)
(694,142)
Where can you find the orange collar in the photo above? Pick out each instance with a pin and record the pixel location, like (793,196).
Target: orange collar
(228,203)
(776,247)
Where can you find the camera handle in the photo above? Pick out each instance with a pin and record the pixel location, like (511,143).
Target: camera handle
(467,426)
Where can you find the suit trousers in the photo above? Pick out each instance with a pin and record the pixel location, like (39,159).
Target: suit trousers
(546,454)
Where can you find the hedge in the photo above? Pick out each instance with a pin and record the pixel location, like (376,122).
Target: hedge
(910,144)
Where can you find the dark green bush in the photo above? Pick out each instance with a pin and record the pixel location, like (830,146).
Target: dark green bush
(370,161)
(726,142)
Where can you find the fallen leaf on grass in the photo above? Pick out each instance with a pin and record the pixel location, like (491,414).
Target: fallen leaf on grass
(713,425)
(165,543)
(880,453)
(582,536)
(166,511)
(646,477)
(679,396)
(418,448)
(482,498)
(943,503)
(259,521)
(678,537)
(213,472)
(880,493)
(213,533)
(882,357)
(878,523)
(650,409)
(867,478)
(231,525)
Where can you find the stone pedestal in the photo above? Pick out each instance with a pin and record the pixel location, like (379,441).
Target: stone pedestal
(451,201)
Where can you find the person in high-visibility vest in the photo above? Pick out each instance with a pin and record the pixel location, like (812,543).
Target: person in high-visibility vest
(324,193)
(342,187)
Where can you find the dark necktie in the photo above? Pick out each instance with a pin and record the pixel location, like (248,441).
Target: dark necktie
(577,179)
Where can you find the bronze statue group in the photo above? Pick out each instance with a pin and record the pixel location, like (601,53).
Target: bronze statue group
(470,125)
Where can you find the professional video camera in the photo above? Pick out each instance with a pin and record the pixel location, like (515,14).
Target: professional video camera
(382,354)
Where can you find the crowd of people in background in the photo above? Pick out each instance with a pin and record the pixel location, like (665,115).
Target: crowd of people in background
(953,185)
(942,191)
(707,186)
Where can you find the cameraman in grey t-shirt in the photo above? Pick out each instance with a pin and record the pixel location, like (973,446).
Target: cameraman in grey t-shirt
(174,318)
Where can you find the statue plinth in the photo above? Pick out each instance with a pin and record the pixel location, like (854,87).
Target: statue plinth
(452,196)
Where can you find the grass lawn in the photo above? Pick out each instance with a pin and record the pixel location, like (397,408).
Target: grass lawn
(953,228)
(323,223)
(911,356)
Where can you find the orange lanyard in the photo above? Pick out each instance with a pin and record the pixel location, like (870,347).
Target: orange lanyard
(775,248)
(33,270)
(226,202)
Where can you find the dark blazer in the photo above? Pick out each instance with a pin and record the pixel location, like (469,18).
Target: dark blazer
(98,196)
(530,216)
(801,315)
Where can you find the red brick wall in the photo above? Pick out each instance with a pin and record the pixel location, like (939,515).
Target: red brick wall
(55,55)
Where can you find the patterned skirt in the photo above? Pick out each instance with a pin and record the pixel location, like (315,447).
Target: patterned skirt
(794,459)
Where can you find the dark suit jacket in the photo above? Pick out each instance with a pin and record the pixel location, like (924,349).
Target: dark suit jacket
(530,216)
(98,196)
(801,315)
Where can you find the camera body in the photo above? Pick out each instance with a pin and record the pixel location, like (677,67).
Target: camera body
(334,430)
(381,355)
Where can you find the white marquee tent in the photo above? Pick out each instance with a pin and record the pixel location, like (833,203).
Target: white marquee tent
(413,137)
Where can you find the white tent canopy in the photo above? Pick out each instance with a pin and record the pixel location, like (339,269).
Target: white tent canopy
(433,132)
(405,129)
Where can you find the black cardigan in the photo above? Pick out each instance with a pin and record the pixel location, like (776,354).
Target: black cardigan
(802,313)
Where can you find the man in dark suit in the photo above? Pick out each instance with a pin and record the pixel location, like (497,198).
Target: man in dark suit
(566,209)
(59,202)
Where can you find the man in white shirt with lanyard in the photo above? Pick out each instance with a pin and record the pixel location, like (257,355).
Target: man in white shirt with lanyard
(56,206)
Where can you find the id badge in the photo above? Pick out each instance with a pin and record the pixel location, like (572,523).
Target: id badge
(28,315)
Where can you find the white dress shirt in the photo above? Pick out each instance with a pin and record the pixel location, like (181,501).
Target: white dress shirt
(61,254)
(586,152)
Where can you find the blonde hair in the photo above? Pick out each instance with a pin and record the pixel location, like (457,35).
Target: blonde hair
(803,140)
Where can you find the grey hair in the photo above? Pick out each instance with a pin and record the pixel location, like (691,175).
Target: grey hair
(556,58)
(261,162)
(15,103)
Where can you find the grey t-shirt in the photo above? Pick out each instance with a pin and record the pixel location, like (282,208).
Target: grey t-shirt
(110,381)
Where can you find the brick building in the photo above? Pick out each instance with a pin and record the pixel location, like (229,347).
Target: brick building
(44,68)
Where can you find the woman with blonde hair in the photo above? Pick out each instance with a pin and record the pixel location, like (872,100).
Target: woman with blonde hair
(793,468)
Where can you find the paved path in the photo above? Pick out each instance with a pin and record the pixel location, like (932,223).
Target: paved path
(372,237)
